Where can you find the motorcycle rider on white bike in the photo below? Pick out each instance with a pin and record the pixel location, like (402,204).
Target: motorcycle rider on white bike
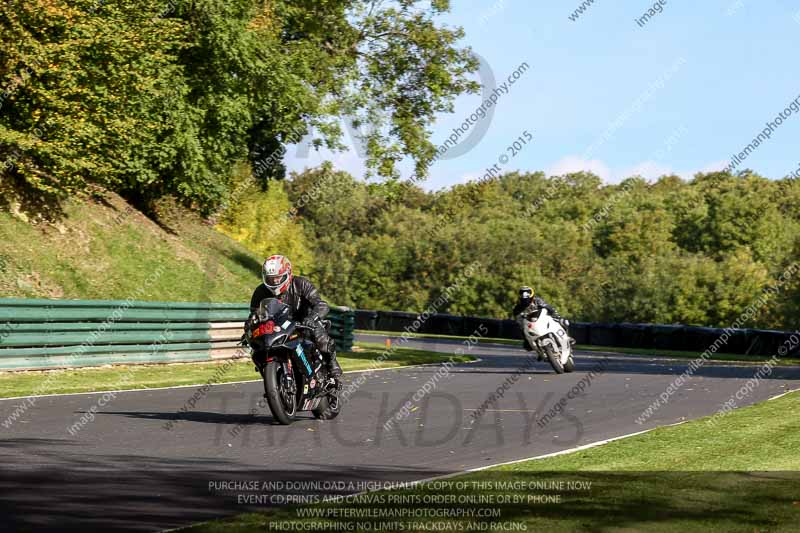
(527,300)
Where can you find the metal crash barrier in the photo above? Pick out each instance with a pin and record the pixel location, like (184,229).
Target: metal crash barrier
(41,333)
(646,336)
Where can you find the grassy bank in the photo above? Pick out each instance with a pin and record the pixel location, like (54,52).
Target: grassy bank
(151,376)
(741,477)
(104,249)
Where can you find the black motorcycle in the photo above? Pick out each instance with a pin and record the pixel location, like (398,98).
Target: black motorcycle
(294,372)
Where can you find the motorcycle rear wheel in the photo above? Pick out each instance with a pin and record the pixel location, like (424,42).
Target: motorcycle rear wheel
(283,409)
(569,366)
(328,408)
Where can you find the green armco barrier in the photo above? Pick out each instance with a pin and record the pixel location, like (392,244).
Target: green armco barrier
(40,333)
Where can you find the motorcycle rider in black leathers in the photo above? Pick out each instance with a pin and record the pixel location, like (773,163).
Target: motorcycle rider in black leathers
(304,301)
(526,300)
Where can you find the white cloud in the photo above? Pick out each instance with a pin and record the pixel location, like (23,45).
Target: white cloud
(573,163)
(469,176)
(716,166)
(652,170)
(649,170)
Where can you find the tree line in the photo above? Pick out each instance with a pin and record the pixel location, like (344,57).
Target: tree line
(698,252)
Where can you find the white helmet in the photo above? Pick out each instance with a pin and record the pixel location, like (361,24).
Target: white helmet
(276,273)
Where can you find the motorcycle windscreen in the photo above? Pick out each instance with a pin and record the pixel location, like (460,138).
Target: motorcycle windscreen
(534,315)
(274,309)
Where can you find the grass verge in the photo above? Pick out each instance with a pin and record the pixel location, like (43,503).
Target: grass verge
(647,352)
(14,384)
(742,475)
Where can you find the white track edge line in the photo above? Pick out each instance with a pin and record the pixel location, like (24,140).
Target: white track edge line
(408,484)
(781,394)
(548,455)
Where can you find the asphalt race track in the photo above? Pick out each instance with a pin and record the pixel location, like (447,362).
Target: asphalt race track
(125,471)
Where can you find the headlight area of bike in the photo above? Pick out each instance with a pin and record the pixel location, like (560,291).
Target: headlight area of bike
(267,328)
(269,334)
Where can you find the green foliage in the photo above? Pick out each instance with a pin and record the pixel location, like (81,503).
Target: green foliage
(154,98)
(261,221)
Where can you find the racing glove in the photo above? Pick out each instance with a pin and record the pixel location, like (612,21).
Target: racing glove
(311,321)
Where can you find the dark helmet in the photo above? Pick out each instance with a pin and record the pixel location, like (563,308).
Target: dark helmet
(525,293)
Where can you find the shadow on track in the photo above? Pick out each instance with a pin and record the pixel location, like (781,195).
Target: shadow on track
(204,417)
(136,493)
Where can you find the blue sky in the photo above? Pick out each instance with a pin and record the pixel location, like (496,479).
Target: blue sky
(680,95)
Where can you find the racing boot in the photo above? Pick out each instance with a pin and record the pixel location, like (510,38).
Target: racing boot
(327,347)
(334,370)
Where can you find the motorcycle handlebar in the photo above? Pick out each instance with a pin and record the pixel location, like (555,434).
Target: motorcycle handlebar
(298,325)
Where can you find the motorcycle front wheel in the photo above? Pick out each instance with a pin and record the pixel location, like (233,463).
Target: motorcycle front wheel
(280,396)
(555,360)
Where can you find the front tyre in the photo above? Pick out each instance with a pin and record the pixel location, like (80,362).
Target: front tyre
(280,395)
(555,360)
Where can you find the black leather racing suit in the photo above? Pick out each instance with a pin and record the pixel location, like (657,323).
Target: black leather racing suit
(538,301)
(305,306)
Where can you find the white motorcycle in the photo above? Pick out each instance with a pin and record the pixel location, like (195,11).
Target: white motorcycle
(548,337)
